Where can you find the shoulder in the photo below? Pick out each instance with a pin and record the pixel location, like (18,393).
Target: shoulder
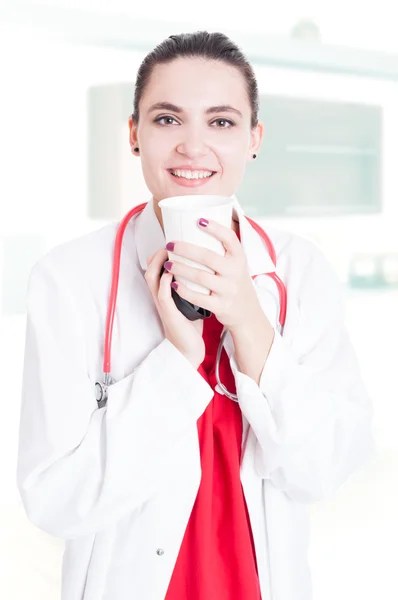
(300,261)
(80,258)
(315,295)
(293,246)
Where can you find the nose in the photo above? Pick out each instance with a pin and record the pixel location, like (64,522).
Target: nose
(194,144)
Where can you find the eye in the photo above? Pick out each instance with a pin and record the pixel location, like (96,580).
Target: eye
(159,119)
(226,123)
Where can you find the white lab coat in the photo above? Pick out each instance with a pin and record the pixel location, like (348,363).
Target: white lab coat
(118,483)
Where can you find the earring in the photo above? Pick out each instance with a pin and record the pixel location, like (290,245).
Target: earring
(254,155)
(136,149)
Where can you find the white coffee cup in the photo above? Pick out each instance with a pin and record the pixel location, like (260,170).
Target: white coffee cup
(180,216)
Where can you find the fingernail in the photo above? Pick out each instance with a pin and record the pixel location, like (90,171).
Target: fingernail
(203,222)
(170,246)
(174,285)
(167,265)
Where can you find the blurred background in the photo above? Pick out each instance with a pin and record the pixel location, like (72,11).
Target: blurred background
(328,170)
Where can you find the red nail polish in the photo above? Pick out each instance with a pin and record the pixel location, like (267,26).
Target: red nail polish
(203,222)
(174,285)
(170,246)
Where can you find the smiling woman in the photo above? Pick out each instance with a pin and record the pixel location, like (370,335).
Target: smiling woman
(168,489)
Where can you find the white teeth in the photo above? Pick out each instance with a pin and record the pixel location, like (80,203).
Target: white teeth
(192,174)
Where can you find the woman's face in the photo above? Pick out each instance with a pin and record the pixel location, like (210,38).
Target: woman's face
(195,115)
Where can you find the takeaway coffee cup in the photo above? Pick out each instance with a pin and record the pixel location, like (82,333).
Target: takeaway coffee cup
(180,216)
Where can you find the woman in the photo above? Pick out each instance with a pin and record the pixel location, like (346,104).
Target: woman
(172,490)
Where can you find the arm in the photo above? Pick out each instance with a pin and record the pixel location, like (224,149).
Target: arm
(309,409)
(81,468)
(252,345)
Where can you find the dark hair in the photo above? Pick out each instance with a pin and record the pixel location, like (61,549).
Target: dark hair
(213,46)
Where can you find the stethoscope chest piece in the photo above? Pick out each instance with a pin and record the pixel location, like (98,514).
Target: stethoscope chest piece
(101,393)
(101,390)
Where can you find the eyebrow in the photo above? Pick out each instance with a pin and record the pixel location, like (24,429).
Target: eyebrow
(209,111)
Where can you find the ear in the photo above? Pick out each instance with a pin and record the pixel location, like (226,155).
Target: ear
(133,132)
(256,138)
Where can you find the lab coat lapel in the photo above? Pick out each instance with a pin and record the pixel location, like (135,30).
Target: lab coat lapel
(258,259)
(149,236)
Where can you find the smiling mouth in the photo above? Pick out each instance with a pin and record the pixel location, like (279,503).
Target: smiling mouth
(191,175)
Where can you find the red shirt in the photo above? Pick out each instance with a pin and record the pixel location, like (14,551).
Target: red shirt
(217,557)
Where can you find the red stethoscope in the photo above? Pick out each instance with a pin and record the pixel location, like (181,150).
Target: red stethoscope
(101,388)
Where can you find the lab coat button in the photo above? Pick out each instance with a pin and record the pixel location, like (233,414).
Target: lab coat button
(159,551)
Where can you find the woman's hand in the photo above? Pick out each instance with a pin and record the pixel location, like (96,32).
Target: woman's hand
(184,334)
(233,297)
